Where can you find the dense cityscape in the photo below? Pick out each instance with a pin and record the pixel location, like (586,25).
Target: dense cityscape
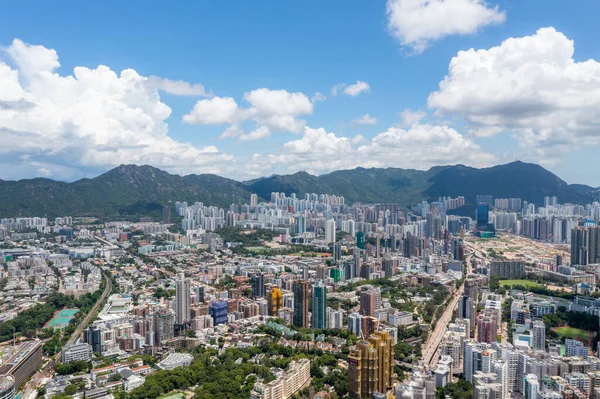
(340,199)
(305,296)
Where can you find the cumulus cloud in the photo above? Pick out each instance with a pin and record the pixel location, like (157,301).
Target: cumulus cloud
(410,117)
(421,146)
(92,119)
(178,87)
(271,110)
(529,86)
(214,111)
(366,119)
(351,90)
(417,23)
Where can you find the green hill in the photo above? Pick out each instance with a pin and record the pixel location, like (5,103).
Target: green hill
(143,190)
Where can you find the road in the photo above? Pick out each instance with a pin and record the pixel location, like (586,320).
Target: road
(30,389)
(430,348)
(433,342)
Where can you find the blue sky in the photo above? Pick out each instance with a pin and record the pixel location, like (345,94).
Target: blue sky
(260,65)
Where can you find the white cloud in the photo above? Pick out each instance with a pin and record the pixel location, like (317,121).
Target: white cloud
(231,132)
(366,119)
(178,87)
(271,110)
(417,23)
(335,89)
(357,88)
(32,60)
(529,86)
(351,90)
(421,146)
(359,138)
(260,132)
(214,111)
(318,97)
(409,117)
(92,120)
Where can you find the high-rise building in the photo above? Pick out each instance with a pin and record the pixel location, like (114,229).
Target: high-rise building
(370,300)
(531,386)
(355,324)
(357,256)
(477,357)
(258,285)
(330,231)
(388,268)
(371,366)
(300,289)
(360,240)
(253,199)
(218,311)
(164,325)
(301,224)
(182,298)
(585,245)
(538,332)
(201,297)
(337,252)
(319,306)
(335,318)
(482,216)
(487,326)
(274,300)
(466,308)
(512,270)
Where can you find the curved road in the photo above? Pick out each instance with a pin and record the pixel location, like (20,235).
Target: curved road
(46,370)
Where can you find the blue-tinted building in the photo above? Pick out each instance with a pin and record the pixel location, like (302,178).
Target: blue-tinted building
(218,311)
(360,239)
(319,306)
(482,216)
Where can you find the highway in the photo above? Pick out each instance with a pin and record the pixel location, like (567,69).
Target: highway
(430,348)
(30,389)
(433,342)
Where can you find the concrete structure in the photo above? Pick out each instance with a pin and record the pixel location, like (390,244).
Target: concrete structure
(512,270)
(74,352)
(24,362)
(182,297)
(538,332)
(300,289)
(7,387)
(296,378)
(175,360)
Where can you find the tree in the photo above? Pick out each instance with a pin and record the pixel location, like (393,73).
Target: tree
(71,389)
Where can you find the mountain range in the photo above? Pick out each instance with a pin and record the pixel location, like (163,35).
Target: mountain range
(131,190)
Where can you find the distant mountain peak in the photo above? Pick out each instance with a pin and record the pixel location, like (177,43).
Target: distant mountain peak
(142,189)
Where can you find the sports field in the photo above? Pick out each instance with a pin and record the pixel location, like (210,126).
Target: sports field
(571,332)
(62,318)
(524,283)
(172,395)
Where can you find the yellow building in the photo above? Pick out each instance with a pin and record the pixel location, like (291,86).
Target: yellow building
(274,300)
(371,366)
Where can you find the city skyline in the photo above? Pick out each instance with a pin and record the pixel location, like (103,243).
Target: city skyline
(253,91)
